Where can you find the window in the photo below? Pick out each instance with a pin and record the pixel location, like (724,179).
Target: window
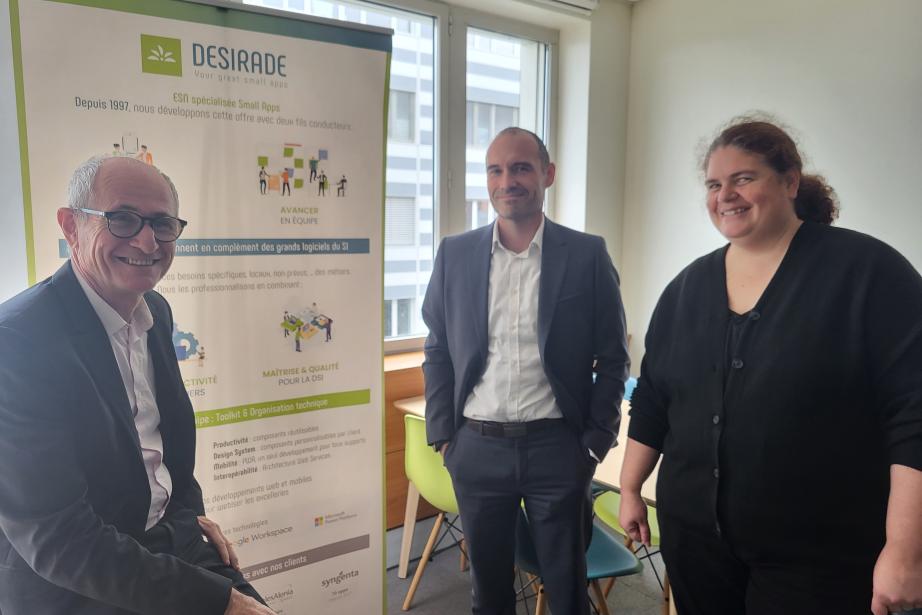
(479,213)
(434,135)
(485,120)
(405,313)
(399,222)
(403,26)
(506,86)
(399,317)
(401,113)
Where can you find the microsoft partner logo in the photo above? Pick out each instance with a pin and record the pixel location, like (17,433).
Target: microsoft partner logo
(161,55)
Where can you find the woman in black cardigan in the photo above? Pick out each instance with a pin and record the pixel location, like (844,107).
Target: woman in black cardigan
(782,383)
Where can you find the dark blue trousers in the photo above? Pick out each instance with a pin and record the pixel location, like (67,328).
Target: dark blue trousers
(550,471)
(179,534)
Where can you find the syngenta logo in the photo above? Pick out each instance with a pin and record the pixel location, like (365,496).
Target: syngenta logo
(342,576)
(161,55)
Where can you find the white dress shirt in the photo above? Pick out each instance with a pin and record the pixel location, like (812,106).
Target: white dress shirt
(129,344)
(514,387)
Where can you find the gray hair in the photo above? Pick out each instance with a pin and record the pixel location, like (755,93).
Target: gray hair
(80,186)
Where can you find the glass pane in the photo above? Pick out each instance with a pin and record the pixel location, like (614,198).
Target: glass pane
(323,8)
(404,316)
(483,129)
(400,222)
(388,318)
(401,116)
(505,117)
(410,191)
(506,86)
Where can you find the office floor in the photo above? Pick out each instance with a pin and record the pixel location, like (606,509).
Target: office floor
(445,590)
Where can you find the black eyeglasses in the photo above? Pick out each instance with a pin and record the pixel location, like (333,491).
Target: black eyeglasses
(125,224)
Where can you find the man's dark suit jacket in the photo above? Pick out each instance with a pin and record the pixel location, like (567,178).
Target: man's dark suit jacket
(74,495)
(581,329)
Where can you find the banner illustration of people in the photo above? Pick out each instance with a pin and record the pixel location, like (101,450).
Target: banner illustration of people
(288,411)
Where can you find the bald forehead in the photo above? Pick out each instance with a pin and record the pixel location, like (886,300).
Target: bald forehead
(130,183)
(520,142)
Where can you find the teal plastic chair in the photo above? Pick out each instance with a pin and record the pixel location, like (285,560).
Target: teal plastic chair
(425,470)
(606,559)
(606,510)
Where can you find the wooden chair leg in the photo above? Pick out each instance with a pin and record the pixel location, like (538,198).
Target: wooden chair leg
(409,523)
(667,594)
(609,584)
(427,552)
(463,548)
(600,603)
(541,603)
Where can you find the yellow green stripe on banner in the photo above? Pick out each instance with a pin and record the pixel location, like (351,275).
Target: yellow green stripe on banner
(16,37)
(284,407)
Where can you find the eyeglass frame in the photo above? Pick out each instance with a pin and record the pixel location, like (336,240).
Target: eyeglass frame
(149,220)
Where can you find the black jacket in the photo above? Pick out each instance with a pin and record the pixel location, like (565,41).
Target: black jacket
(792,436)
(74,495)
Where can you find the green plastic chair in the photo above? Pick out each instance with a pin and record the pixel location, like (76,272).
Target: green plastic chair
(605,559)
(425,470)
(606,509)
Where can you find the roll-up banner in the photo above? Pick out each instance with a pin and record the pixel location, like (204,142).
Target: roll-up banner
(273,130)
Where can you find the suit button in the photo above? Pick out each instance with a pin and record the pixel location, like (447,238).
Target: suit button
(716,473)
(715,418)
(754,315)
(736,363)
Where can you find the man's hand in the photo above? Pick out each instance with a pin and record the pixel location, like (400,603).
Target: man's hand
(240,604)
(633,517)
(897,581)
(224,546)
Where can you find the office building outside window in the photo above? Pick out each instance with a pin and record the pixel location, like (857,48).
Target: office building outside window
(401,117)
(505,84)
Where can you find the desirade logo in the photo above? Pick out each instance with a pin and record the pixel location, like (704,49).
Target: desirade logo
(161,55)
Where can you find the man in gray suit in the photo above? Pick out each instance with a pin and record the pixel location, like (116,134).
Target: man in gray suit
(99,510)
(525,367)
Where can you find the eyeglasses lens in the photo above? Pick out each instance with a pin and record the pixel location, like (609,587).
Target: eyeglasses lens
(128,224)
(125,224)
(166,229)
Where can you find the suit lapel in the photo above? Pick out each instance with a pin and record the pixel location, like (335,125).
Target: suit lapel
(478,274)
(91,343)
(553,267)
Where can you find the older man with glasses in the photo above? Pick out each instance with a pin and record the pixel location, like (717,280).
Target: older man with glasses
(99,509)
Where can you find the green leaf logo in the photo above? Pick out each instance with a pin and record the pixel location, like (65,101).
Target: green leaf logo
(161,55)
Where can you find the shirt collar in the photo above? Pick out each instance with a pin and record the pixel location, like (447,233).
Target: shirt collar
(537,240)
(111,320)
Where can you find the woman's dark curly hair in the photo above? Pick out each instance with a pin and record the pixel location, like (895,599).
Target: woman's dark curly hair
(816,201)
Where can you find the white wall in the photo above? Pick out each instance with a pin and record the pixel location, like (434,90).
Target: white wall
(607,124)
(846,74)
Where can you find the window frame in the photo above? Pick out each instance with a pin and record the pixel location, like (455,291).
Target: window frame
(449,106)
(454,209)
